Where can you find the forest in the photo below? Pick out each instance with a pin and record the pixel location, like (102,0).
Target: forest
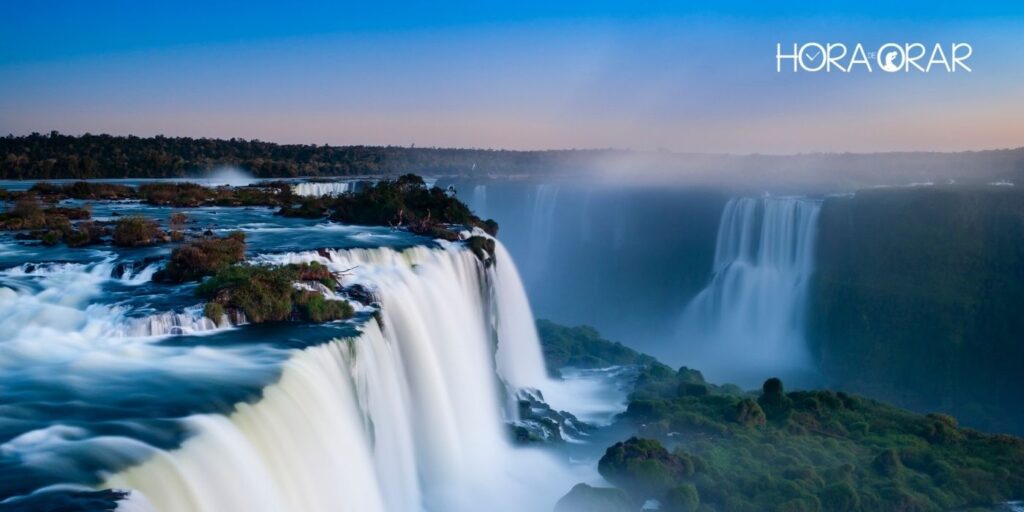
(58,156)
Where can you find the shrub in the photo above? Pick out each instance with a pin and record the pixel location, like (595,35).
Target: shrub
(25,213)
(681,498)
(888,463)
(86,233)
(203,257)
(213,311)
(839,497)
(51,237)
(135,230)
(318,309)
(584,498)
(691,389)
(749,413)
(267,293)
(772,387)
(316,272)
(642,467)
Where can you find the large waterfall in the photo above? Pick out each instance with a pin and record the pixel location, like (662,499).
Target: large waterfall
(749,321)
(406,416)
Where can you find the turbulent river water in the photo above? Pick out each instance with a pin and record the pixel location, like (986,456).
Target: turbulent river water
(116,391)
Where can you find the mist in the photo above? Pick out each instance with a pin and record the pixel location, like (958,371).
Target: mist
(231,176)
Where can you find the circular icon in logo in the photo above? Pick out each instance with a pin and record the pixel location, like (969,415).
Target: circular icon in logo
(891,57)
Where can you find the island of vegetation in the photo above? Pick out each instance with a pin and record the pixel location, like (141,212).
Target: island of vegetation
(402,203)
(704,447)
(269,293)
(232,288)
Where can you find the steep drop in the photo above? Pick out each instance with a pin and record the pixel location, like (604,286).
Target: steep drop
(750,320)
(406,416)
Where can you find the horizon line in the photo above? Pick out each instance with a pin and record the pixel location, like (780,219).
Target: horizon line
(659,151)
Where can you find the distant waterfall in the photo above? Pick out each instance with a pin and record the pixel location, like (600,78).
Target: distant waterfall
(405,417)
(749,321)
(478,201)
(316,189)
(542,227)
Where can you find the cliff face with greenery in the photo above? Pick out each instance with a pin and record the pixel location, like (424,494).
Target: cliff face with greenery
(583,347)
(705,447)
(917,300)
(714,449)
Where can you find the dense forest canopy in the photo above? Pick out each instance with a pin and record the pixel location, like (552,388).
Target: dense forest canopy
(58,156)
(54,156)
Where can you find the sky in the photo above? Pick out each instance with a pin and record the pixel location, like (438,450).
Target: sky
(689,77)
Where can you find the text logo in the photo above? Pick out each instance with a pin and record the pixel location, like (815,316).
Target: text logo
(889,58)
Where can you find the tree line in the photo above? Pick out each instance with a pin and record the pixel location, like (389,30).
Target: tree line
(55,156)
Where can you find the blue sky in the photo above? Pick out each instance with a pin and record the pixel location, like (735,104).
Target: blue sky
(526,75)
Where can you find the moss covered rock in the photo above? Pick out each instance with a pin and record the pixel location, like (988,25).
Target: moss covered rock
(584,498)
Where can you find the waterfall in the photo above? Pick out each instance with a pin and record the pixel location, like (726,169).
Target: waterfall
(542,226)
(321,188)
(188,321)
(519,357)
(406,416)
(478,201)
(749,321)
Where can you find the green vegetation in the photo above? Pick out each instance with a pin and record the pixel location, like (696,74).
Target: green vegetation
(50,225)
(917,300)
(806,450)
(193,195)
(584,498)
(52,156)
(583,347)
(136,231)
(707,447)
(405,202)
(84,190)
(203,257)
(266,293)
(166,194)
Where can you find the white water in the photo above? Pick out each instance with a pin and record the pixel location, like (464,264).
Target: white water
(316,189)
(750,320)
(478,202)
(407,416)
(519,357)
(542,225)
(189,321)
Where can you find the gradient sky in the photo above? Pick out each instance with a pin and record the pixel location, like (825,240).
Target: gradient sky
(528,75)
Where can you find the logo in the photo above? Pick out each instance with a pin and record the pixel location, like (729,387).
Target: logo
(889,58)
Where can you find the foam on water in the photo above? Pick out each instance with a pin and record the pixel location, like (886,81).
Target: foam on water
(407,416)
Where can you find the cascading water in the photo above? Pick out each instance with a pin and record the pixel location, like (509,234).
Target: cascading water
(317,188)
(478,201)
(749,321)
(542,225)
(112,382)
(406,416)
